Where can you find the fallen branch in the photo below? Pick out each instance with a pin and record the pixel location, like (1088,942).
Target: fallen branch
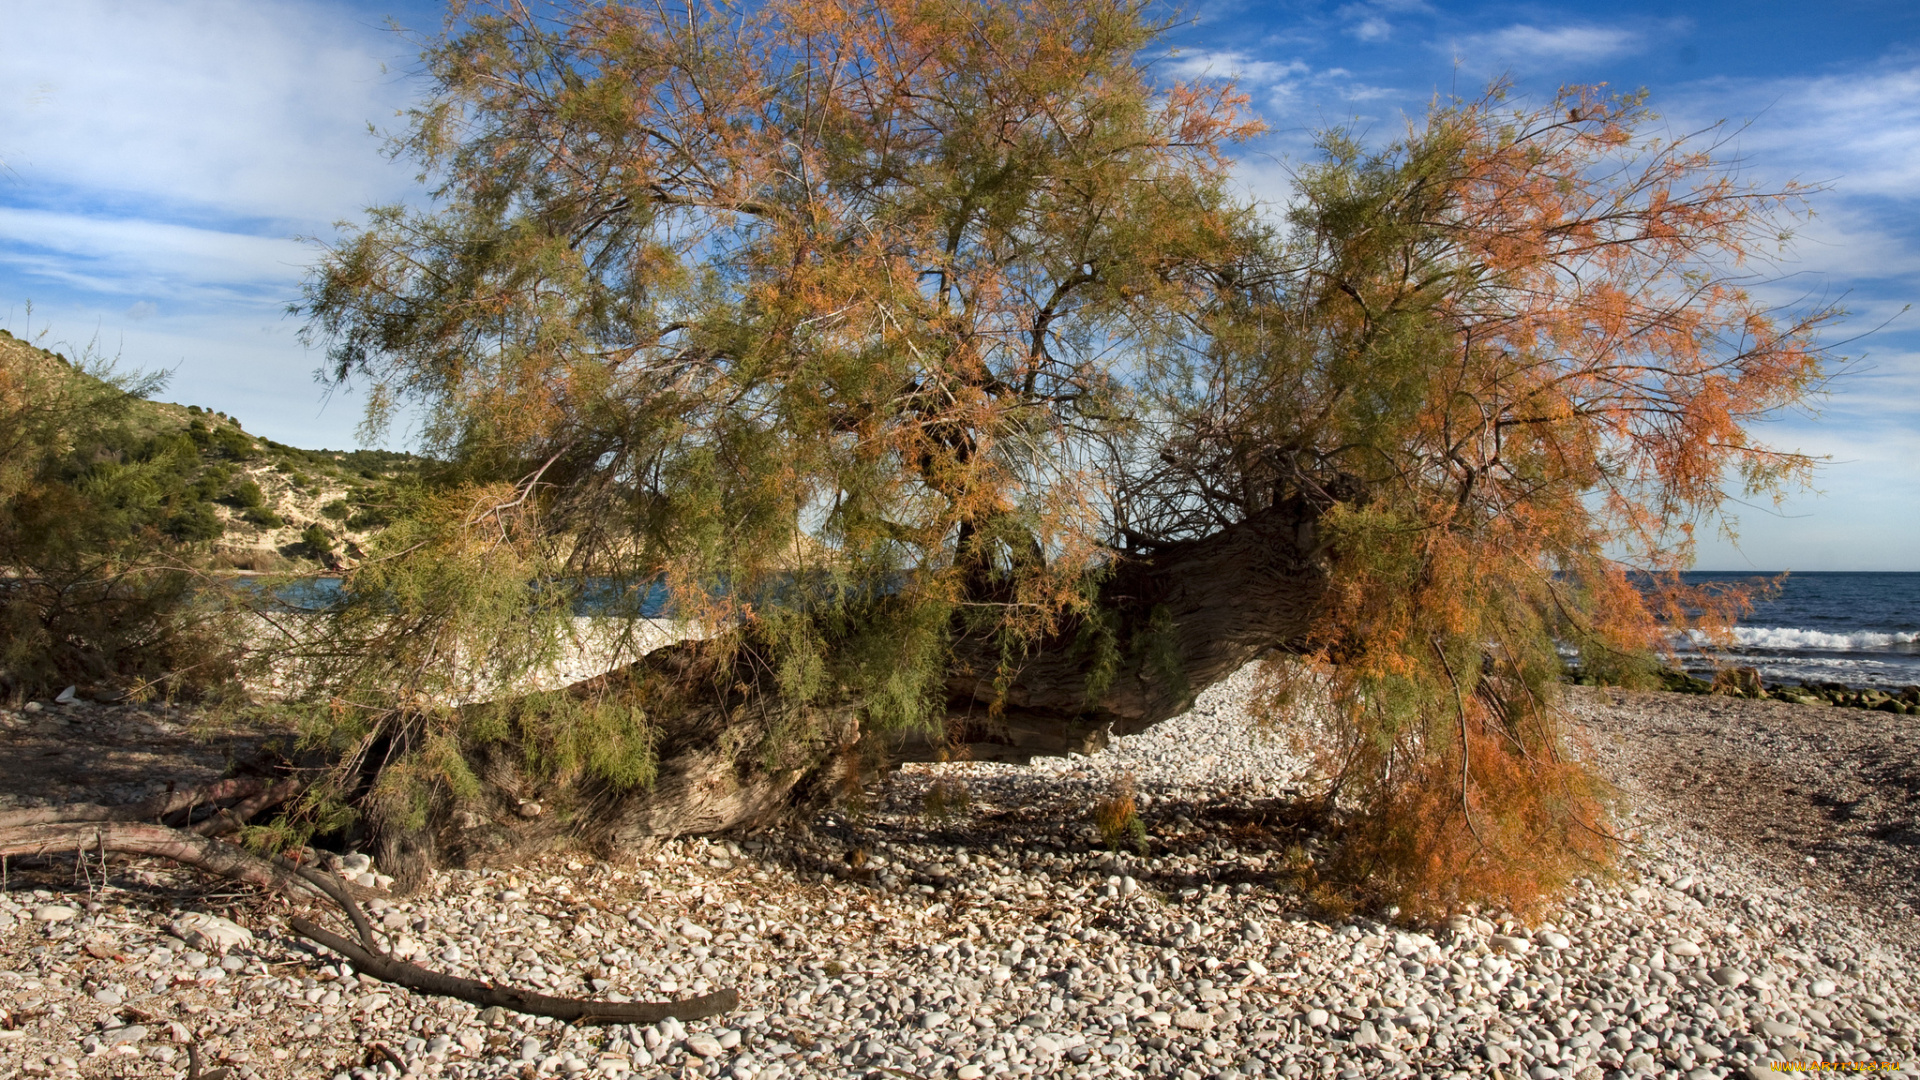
(370,958)
(138,838)
(576,1010)
(381,1051)
(231,861)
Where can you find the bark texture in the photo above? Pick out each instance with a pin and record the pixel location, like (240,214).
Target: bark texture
(1223,600)
(732,755)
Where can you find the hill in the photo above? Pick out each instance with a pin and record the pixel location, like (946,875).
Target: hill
(260,504)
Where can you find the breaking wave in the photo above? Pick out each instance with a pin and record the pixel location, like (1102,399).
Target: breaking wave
(1793,639)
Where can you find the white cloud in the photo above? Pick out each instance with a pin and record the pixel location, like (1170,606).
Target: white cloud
(1526,46)
(159,158)
(1372,28)
(235,108)
(149,258)
(1859,130)
(1857,133)
(1281,86)
(1367,21)
(1234,65)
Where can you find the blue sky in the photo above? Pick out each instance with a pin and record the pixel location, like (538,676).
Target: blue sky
(159,162)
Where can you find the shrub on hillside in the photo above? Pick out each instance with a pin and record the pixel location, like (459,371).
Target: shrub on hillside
(101,537)
(316,540)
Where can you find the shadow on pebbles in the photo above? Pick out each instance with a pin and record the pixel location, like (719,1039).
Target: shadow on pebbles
(967,922)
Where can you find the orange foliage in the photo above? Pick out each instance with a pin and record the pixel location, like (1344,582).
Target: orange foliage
(1548,370)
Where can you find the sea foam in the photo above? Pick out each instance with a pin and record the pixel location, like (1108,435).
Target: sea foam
(1794,639)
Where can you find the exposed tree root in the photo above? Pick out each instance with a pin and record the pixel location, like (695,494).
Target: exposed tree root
(230,861)
(229,819)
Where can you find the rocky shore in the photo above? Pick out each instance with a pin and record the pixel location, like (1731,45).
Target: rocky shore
(965,920)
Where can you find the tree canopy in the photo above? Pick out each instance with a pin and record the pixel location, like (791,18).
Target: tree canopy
(930,353)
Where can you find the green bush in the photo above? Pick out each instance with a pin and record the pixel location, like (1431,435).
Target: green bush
(370,517)
(211,483)
(105,585)
(246,495)
(316,540)
(233,443)
(195,523)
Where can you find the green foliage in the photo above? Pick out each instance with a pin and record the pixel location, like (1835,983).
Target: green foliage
(108,526)
(371,517)
(373,677)
(914,455)
(896,656)
(1097,644)
(102,538)
(233,444)
(607,741)
(194,523)
(247,495)
(316,540)
(212,483)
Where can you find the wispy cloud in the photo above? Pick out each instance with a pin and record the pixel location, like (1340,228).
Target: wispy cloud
(1859,130)
(1857,136)
(1279,86)
(223,107)
(147,258)
(1371,28)
(1234,65)
(1525,46)
(1857,133)
(1371,20)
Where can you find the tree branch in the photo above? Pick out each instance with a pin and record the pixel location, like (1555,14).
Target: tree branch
(230,861)
(574,1010)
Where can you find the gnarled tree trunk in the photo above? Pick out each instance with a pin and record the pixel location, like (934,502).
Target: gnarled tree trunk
(732,754)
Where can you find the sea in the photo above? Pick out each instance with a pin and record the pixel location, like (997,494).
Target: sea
(1861,629)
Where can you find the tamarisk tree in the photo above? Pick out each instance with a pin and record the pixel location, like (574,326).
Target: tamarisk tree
(926,355)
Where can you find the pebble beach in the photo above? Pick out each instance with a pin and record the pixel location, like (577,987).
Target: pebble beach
(964,920)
